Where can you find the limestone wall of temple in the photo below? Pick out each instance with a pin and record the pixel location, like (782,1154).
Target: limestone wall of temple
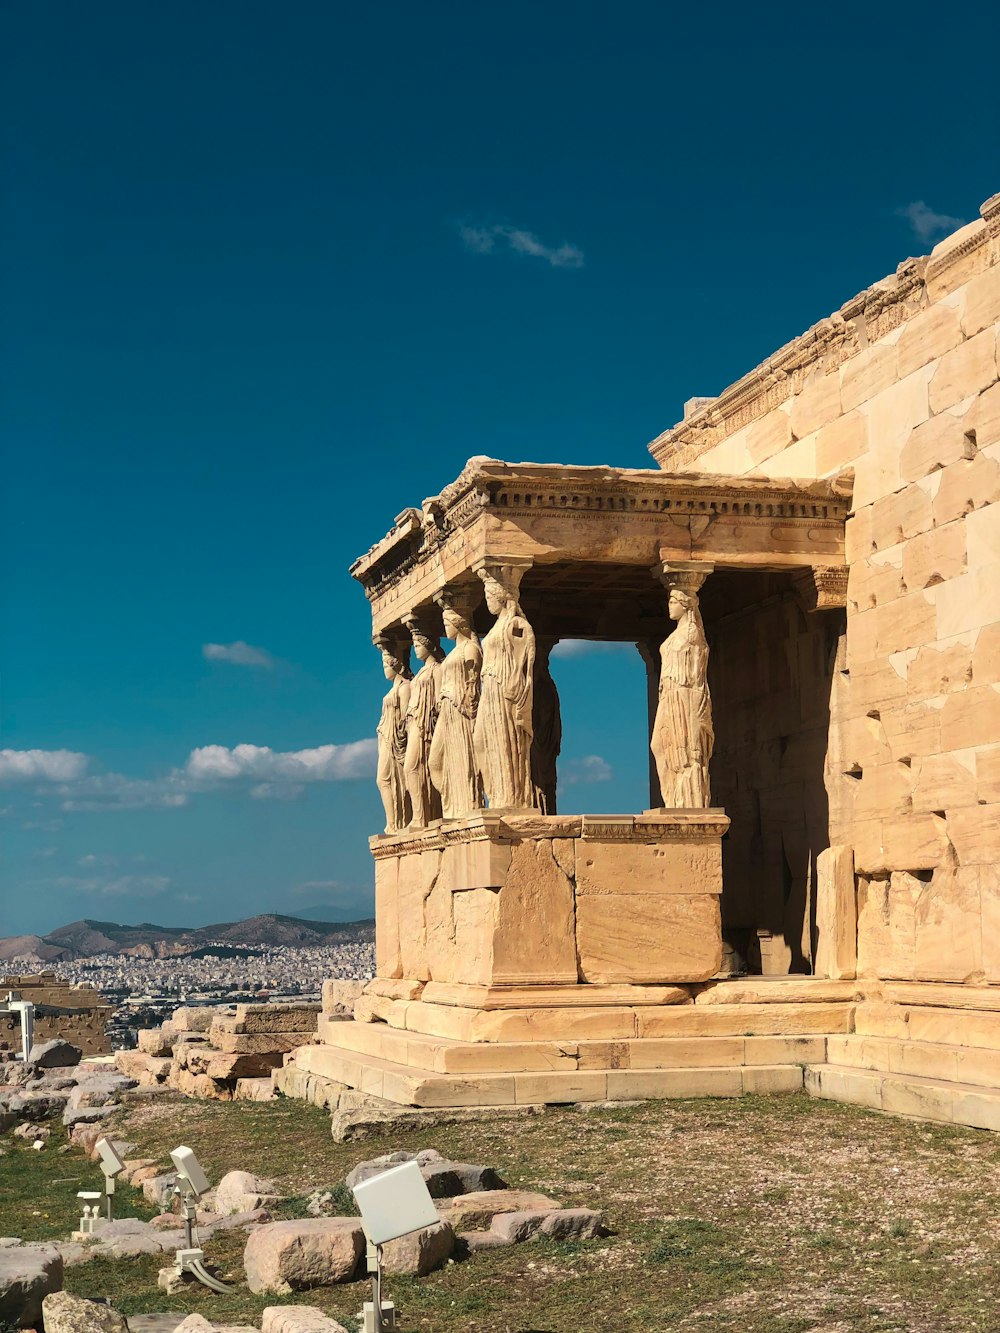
(901,385)
(78,1014)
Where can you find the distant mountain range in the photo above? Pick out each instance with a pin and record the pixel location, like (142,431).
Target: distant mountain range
(83,939)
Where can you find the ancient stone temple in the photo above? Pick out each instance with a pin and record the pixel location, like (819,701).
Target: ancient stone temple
(811,574)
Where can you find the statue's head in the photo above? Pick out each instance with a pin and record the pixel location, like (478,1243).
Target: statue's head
(679,602)
(497,596)
(392,666)
(426,647)
(456,605)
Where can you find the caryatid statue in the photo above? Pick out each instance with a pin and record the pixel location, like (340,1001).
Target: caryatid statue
(504,724)
(683,736)
(421,716)
(451,759)
(392,732)
(546,740)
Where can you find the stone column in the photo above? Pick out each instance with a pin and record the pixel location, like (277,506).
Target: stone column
(451,758)
(504,724)
(683,735)
(421,717)
(546,740)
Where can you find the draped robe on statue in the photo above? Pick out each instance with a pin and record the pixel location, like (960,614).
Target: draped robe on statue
(503,723)
(391,754)
(421,716)
(682,731)
(452,757)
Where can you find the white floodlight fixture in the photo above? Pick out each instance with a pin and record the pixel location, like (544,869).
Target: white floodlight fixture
(392,1204)
(192,1183)
(189,1172)
(112,1165)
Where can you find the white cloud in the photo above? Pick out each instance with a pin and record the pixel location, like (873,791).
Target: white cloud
(325,763)
(590,768)
(41,765)
(926,223)
(498,236)
(238,653)
(115,791)
(586,647)
(276,791)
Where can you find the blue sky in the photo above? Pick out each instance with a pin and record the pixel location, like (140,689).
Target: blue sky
(272,273)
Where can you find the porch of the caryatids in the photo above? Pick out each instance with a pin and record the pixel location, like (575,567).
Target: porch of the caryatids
(451,756)
(504,722)
(683,735)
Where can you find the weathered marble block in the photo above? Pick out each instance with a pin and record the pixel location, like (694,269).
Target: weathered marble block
(535,900)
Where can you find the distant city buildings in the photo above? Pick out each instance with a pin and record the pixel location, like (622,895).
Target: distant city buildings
(144,991)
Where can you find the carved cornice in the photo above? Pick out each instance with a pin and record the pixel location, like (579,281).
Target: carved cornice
(823,588)
(646,496)
(824,348)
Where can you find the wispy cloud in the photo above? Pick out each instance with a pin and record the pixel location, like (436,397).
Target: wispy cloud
(238,654)
(499,237)
(568,648)
(121,886)
(926,223)
(41,765)
(115,791)
(589,768)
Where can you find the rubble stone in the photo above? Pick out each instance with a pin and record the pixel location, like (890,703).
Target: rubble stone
(294,1256)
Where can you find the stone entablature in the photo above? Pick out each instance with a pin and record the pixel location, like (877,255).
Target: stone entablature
(552,900)
(822,350)
(631,517)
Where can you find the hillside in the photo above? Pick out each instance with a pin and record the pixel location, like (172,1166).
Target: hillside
(84,939)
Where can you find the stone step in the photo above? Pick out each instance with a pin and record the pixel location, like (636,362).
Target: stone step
(613,1023)
(907,1094)
(445,1055)
(943,1026)
(938,1060)
(410,1086)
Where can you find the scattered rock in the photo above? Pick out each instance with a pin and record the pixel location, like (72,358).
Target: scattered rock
(159,1189)
(419,1252)
(27,1275)
(365,1170)
(64,1313)
(446,1179)
(293,1256)
(32,1132)
(475,1212)
(57,1054)
(297,1319)
(86,1115)
(470,1242)
(241,1192)
(558,1224)
(37,1105)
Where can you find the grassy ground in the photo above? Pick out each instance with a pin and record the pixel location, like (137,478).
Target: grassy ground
(763,1215)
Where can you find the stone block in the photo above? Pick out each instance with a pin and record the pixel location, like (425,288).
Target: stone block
(534,936)
(475,1212)
(294,1256)
(241,1192)
(647,938)
(932,557)
(475,865)
(388,961)
(418,872)
(965,485)
(868,372)
(769,435)
(27,1275)
(339,995)
(653,868)
(975,832)
(981,302)
(419,1252)
(63,1313)
(965,604)
(901,515)
(816,405)
(913,730)
(987,766)
(258,1043)
(766,1080)
(986,655)
(799,460)
(942,782)
(193,1018)
(969,717)
(56,1054)
(940,668)
(983,417)
(927,336)
(251,1018)
(892,415)
(915,842)
(836,914)
(982,528)
(841,442)
(964,371)
(151,1041)
(297,1319)
(474,914)
(934,444)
